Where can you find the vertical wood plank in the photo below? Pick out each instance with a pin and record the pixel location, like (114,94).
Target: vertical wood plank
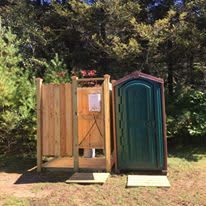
(107,122)
(57,119)
(68,116)
(45,120)
(51,120)
(39,123)
(75,124)
(62,121)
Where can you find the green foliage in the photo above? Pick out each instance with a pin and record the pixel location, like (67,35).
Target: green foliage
(111,36)
(187,114)
(17,97)
(56,71)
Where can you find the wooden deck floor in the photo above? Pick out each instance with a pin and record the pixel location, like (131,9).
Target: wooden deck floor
(84,163)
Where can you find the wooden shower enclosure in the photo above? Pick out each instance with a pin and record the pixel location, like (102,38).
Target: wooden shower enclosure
(65,124)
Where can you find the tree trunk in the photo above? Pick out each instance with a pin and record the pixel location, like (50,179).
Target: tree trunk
(170,68)
(170,79)
(191,78)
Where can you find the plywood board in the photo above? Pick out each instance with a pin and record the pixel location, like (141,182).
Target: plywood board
(88,178)
(147,180)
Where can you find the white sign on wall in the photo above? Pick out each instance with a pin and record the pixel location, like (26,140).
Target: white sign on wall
(94,102)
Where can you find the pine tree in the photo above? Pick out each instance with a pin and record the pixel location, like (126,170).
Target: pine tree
(17,95)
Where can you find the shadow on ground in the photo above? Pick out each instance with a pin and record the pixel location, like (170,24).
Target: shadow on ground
(16,164)
(21,166)
(43,177)
(191,153)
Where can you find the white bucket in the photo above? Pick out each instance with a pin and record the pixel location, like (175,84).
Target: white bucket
(89,153)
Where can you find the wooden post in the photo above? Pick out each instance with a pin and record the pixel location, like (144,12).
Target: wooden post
(164,128)
(114,125)
(39,123)
(107,122)
(75,124)
(69,118)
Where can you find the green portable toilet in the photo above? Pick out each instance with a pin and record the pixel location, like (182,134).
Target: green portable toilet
(139,123)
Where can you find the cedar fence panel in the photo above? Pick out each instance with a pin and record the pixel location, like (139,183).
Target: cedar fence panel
(65,124)
(56,120)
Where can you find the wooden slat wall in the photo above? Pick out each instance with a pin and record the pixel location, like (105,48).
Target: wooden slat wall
(94,138)
(56,120)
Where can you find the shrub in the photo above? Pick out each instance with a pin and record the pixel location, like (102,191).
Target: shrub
(187,115)
(17,98)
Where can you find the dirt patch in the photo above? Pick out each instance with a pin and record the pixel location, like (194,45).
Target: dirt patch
(9,187)
(188,188)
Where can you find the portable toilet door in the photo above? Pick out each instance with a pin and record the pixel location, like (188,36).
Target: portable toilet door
(139,117)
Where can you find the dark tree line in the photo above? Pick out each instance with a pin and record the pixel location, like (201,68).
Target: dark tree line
(164,38)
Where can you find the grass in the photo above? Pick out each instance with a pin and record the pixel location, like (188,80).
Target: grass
(10,200)
(187,174)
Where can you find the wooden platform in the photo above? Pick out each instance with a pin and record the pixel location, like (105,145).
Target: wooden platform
(84,163)
(147,180)
(88,178)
